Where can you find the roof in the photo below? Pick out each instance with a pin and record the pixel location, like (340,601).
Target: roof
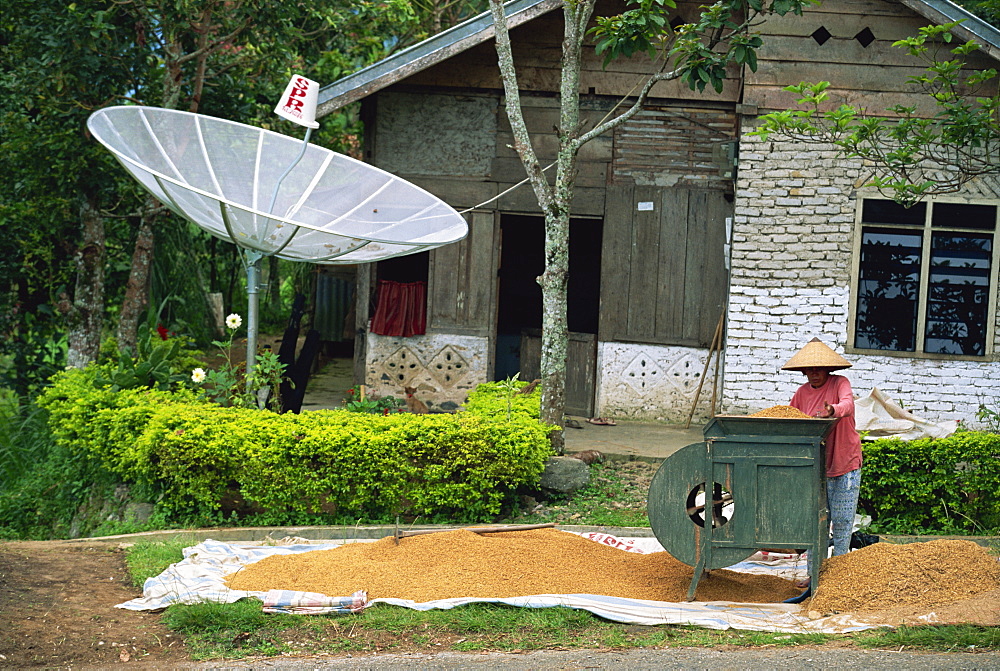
(423,55)
(971,28)
(479,29)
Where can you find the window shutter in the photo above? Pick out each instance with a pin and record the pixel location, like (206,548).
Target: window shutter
(462,281)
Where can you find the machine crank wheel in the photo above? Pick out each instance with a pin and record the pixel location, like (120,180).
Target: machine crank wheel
(682,498)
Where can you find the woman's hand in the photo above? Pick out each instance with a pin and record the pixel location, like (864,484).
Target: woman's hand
(826,412)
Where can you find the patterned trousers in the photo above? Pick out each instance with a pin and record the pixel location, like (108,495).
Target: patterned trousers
(842,500)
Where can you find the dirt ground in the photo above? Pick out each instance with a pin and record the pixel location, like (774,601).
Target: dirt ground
(57,609)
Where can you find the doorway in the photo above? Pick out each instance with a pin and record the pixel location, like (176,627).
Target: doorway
(519,305)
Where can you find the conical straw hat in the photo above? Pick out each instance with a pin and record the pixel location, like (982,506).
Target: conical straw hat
(816,355)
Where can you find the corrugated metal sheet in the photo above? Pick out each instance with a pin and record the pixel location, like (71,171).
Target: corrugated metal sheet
(971,28)
(433,50)
(334,297)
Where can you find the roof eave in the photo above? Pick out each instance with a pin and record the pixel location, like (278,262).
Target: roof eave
(972,27)
(420,56)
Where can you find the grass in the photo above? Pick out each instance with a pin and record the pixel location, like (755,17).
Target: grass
(147,559)
(615,496)
(228,631)
(242,629)
(24,437)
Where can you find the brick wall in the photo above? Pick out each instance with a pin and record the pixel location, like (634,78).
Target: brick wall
(791,267)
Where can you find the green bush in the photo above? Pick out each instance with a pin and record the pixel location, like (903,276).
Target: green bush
(947,485)
(192,456)
(496,399)
(42,485)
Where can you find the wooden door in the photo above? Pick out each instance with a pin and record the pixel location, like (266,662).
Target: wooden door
(664,278)
(581,368)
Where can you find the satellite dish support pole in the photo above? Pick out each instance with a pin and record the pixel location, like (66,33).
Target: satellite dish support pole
(254,259)
(277,185)
(253,315)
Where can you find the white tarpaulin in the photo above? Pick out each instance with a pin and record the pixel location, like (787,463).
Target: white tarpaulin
(199,577)
(882,417)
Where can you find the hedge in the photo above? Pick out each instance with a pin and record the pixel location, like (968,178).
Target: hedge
(195,455)
(945,485)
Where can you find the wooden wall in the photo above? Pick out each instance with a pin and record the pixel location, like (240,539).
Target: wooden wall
(665,145)
(672,145)
(873,76)
(462,280)
(537,51)
(664,275)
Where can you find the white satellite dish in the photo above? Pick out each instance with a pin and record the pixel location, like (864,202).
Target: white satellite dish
(271,194)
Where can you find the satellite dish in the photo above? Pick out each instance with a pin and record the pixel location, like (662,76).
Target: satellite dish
(222,175)
(273,195)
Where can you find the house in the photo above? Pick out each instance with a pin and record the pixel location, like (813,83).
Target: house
(672,236)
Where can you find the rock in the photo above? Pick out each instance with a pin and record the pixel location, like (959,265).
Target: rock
(588,456)
(138,511)
(564,475)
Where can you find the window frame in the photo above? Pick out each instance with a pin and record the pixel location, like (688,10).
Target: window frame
(926,232)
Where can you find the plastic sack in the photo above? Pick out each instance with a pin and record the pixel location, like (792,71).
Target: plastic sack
(880,416)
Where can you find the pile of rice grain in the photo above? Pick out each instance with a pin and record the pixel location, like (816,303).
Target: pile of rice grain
(781,412)
(884,576)
(462,563)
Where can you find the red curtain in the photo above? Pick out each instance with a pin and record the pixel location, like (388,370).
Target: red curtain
(401,309)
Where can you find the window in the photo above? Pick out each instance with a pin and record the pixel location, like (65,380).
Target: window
(925,277)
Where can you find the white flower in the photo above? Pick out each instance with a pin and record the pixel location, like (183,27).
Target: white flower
(234,321)
(198,375)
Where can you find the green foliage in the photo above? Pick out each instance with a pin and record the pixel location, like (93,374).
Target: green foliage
(191,456)
(504,399)
(24,440)
(43,484)
(987,10)
(151,368)
(380,405)
(638,30)
(953,638)
(231,386)
(148,559)
(34,350)
(214,630)
(909,151)
(611,498)
(990,417)
(947,485)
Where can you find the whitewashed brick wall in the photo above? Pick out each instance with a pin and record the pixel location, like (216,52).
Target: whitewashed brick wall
(443,368)
(653,382)
(791,257)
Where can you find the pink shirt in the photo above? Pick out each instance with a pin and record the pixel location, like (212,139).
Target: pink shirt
(843,444)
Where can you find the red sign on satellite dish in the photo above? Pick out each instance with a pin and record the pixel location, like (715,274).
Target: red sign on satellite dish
(298,103)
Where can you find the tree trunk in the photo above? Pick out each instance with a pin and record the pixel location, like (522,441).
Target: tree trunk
(86,313)
(554,200)
(137,289)
(555,330)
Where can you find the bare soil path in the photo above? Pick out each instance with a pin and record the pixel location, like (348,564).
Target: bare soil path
(57,609)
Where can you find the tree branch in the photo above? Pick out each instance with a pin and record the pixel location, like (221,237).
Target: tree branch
(522,141)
